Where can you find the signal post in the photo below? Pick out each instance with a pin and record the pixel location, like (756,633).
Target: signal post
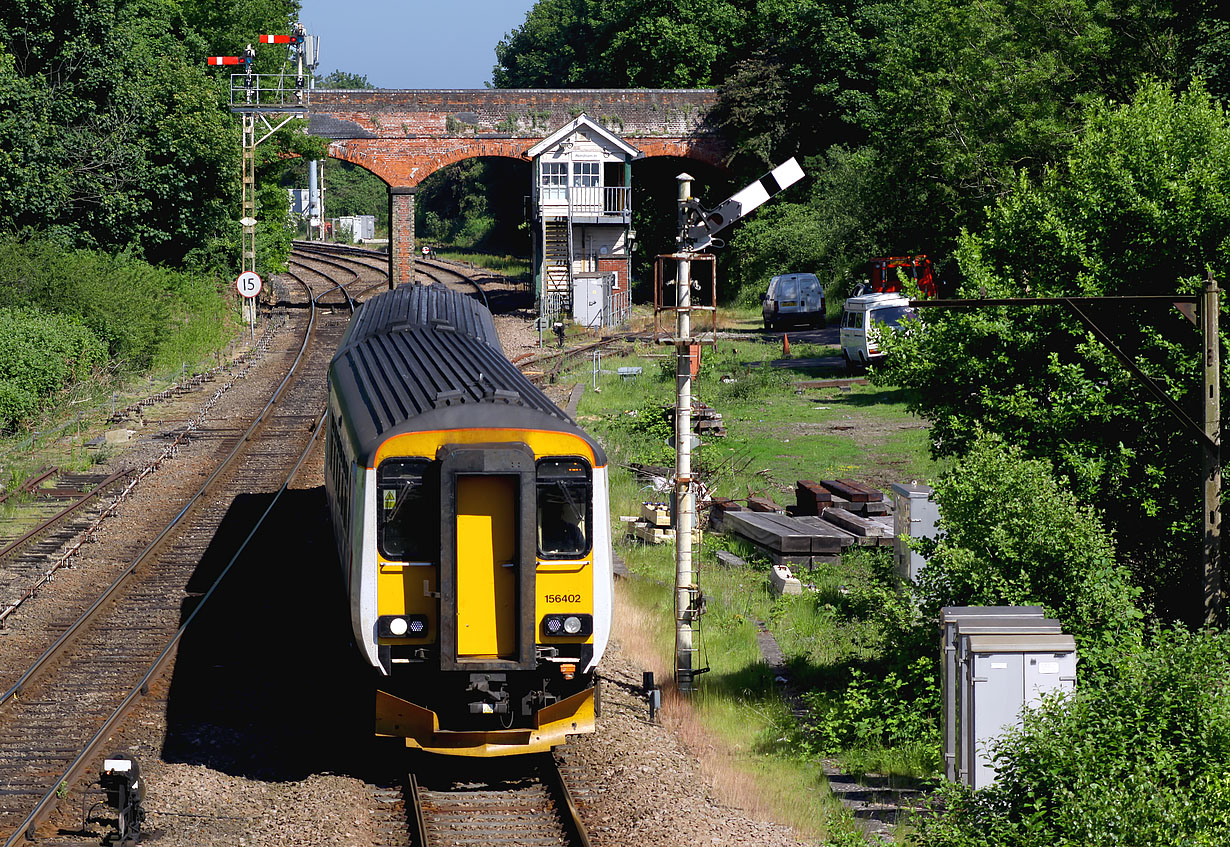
(697,228)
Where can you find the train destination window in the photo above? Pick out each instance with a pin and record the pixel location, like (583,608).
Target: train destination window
(407,495)
(564,517)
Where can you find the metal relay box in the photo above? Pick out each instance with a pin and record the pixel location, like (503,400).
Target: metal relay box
(951,618)
(914,516)
(1001,676)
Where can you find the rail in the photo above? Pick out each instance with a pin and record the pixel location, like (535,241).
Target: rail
(519,800)
(26,829)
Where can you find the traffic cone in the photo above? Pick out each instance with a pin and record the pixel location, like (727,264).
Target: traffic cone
(785,346)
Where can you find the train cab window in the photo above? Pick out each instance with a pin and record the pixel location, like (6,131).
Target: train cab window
(564,516)
(407,497)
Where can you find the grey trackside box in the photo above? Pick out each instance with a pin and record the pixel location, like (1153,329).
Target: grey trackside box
(1002,675)
(950,618)
(914,516)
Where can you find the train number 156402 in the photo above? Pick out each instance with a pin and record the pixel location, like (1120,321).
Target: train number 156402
(562,598)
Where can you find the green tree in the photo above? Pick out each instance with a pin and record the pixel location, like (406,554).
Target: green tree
(1142,206)
(555,47)
(458,205)
(116,135)
(344,80)
(1012,535)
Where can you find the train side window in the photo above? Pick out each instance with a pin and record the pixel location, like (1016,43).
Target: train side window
(407,502)
(565,518)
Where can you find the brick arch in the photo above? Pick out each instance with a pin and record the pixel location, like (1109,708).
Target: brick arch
(404,136)
(407,162)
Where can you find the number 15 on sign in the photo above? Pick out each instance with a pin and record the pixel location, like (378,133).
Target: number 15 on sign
(248,284)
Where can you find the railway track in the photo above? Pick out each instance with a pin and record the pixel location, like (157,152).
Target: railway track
(519,801)
(59,708)
(310,262)
(439,272)
(58,713)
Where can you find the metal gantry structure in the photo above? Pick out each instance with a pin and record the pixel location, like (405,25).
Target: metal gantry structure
(273,100)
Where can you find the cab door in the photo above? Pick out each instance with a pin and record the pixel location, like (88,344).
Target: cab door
(486,526)
(487,557)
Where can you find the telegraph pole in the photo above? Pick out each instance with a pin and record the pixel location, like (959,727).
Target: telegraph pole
(1210,305)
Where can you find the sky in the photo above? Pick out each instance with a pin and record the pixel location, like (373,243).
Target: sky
(412,43)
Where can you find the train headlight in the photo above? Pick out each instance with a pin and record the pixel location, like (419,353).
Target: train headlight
(561,625)
(401,626)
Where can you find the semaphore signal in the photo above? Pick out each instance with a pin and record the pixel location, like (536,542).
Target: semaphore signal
(262,96)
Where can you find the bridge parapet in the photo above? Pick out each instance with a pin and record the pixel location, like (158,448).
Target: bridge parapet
(496,113)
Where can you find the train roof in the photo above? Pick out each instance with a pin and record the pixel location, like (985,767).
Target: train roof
(422,305)
(393,375)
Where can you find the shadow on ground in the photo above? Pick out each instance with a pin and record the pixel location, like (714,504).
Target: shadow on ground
(267,682)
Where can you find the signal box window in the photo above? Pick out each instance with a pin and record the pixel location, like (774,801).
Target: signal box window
(554,173)
(585,174)
(407,502)
(565,521)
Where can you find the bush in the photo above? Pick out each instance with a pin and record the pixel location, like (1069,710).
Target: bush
(897,710)
(135,308)
(41,354)
(1013,534)
(1141,757)
(884,694)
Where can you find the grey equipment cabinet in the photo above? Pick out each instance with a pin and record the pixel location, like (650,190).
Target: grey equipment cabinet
(914,516)
(999,625)
(950,617)
(1005,674)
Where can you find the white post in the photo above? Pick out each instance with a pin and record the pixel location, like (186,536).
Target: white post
(313,200)
(685,577)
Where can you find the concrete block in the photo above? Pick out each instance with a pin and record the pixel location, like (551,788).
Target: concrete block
(783,581)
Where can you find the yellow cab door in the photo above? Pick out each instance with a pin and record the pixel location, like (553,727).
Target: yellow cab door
(487,513)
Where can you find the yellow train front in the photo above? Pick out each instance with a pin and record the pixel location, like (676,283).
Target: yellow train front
(472,522)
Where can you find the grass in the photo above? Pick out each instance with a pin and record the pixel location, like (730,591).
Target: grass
(733,722)
(778,433)
(509,265)
(58,435)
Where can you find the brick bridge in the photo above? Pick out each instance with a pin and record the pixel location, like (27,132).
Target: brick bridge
(404,136)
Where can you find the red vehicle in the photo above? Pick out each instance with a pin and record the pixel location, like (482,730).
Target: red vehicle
(884,274)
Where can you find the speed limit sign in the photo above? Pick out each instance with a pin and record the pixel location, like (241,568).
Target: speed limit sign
(248,284)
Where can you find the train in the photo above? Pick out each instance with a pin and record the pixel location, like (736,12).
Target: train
(472,523)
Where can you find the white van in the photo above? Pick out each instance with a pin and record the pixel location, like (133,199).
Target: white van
(858,317)
(793,298)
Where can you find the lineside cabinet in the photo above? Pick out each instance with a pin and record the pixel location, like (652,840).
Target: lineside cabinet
(951,618)
(1001,676)
(915,515)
